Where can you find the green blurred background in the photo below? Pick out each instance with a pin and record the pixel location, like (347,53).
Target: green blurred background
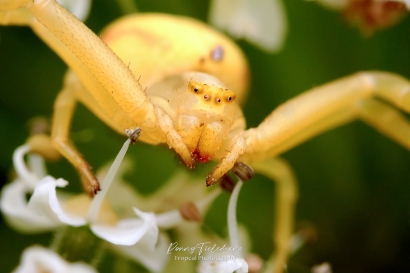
(354,182)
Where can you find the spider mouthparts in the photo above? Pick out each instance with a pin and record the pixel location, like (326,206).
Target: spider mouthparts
(198,157)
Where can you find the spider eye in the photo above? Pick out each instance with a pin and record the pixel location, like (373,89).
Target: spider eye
(195,87)
(229,96)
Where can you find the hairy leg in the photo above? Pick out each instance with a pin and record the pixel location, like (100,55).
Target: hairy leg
(325,107)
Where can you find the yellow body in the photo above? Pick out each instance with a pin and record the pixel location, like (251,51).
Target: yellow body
(175,44)
(177,52)
(156,83)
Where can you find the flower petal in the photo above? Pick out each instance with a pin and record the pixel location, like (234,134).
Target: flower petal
(153,259)
(42,212)
(261,22)
(222,264)
(29,178)
(38,259)
(44,201)
(80,8)
(129,231)
(13,204)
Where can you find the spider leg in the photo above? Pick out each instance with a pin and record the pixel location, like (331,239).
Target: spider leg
(286,195)
(328,106)
(386,119)
(231,150)
(13,4)
(319,110)
(18,17)
(101,71)
(99,102)
(106,67)
(99,93)
(64,106)
(93,94)
(107,81)
(63,112)
(174,140)
(336,119)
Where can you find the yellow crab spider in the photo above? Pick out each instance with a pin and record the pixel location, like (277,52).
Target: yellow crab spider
(196,79)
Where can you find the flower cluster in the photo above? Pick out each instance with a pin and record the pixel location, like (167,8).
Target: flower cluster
(141,236)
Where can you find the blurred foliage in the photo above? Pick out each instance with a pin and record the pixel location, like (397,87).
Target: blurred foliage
(354,182)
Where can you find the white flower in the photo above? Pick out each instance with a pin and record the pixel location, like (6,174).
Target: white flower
(42,212)
(37,259)
(80,8)
(226,262)
(47,210)
(153,258)
(261,22)
(130,231)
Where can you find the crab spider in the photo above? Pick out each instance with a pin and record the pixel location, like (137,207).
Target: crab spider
(113,93)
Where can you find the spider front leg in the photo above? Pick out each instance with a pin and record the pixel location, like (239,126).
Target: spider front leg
(64,107)
(103,74)
(321,109)
(112,83)
(332,105)
(228,154)
(63,111)
(110,89)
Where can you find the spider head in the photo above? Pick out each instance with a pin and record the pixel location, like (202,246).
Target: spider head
(206,115)
(212,107)
(202,108)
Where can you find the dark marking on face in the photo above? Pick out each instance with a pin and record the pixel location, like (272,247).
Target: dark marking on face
(198,157)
